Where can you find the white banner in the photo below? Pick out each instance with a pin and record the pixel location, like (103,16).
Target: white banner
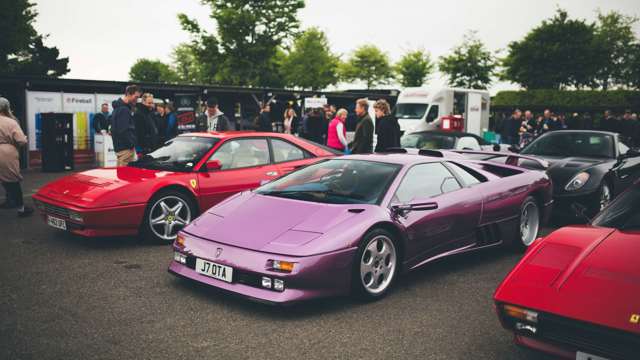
(105,98)
(40,102)
(314,103)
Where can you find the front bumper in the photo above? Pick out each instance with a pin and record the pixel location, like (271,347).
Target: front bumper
(110,221)
(315,276)
(563,203)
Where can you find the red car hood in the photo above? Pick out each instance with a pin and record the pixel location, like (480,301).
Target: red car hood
(99,187)
(585,273)
(271,224)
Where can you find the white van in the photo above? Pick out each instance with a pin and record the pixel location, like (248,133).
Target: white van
(422,109)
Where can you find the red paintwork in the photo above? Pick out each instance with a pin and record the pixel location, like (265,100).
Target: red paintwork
(585,273)
(112,201)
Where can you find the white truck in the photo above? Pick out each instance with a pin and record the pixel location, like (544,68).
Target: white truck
(447,109)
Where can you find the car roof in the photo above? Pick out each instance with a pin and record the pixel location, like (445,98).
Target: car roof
(233,134)
(449,133)
(394,158)
(580,132)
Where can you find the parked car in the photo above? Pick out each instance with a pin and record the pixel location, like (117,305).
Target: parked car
(352,224)
(588,168)
(166,189)
(448,141)
(576,293)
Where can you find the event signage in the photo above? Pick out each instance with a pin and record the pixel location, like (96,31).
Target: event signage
(186,112)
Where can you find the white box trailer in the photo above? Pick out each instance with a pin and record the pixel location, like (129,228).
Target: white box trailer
(420,109)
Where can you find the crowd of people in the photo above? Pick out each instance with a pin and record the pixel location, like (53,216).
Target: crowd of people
(520,128)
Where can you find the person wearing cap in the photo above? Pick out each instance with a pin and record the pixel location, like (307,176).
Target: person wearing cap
(213,119)
(11,139)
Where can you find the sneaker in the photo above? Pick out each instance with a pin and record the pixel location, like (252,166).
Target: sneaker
(26,212)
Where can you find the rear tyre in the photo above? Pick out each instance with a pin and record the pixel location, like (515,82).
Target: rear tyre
(375,266)
(529,223)
(167,213)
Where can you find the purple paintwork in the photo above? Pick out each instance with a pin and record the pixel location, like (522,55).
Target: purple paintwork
(322,239)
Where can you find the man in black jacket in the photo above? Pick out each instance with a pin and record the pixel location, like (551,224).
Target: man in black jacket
(213,119)
(123,128)
(387,127)
(363,138)
(101,119)
(144,121)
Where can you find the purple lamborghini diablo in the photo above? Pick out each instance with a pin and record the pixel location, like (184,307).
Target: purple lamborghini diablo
(351,225)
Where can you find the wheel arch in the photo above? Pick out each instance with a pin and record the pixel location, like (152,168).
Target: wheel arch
(178,188)
(398,234)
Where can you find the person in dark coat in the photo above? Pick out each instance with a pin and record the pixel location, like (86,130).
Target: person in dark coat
(213,119)
(172,122)
(609,122)
(511,128)
(388,129)
(363,139)
(123,128)
(101,119)
(161,123)
(264,119)
(315,125)
(146,130)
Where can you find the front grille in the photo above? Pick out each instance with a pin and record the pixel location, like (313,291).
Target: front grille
(56,210)
(595,339)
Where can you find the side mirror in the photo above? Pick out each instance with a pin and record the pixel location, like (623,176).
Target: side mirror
(403,209)
(213,165)
(514,149)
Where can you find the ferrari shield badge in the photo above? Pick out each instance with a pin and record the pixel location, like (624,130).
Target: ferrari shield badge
(193,183)
(635,319)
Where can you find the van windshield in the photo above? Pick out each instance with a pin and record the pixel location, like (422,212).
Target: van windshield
(410,111)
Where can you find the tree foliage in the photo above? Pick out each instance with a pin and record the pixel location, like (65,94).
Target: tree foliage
(559,53)
(414,68)
(310,64)
(156,71)
(614,40)
(244,48)
(368,64)
(562,99)
(22,49)
(470,64)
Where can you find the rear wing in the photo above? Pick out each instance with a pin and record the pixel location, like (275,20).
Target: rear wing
(524,161)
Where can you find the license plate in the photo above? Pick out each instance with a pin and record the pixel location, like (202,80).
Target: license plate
(584,356)
(216,271)
(56,223)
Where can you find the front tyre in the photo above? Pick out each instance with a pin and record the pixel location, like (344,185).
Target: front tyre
(375,266)
(167,213)
(529,223)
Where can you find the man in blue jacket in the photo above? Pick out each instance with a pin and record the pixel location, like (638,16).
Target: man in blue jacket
(123,128)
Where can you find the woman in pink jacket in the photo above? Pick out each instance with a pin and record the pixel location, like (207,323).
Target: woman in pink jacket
(337,133)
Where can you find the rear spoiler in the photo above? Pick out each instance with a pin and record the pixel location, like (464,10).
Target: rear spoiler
(512,159)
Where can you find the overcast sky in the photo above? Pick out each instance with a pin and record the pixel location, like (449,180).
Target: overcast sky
(104,38)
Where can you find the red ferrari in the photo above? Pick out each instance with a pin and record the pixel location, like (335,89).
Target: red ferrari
(576,293)
(163,191)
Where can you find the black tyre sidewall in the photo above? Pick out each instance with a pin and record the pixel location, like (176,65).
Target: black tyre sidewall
(357,287)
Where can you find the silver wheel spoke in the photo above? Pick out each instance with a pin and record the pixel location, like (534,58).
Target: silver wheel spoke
(159,220)
(176,209)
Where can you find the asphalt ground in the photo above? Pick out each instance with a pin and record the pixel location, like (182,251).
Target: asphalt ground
(67,297)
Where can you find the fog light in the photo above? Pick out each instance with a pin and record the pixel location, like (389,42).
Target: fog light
(520,313)
(76,216)
(526,328)
(180,257)
(266,282)
(280,265)
(278,285)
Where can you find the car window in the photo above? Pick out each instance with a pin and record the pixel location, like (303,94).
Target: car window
(565,144)
(622,148)
(241,153)
(284,151)
(466,175)
(424,181)
(468,143)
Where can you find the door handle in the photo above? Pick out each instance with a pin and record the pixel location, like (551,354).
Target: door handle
(272,173)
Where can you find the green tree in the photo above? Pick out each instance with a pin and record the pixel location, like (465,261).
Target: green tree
(368,64)
(632,72)
(244,48)
(614,37)
(470,64)
(22,49)
(146,70)
(414,68)
(559,53)
(310,64)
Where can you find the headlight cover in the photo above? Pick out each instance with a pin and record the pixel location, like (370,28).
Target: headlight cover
(577,182)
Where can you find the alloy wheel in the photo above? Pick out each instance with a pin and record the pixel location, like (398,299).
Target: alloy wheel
(529,223)
(168,215)
(378,264)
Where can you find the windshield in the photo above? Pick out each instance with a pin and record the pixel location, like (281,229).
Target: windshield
(410,111)
(428,141)
(623,213)
(179,154)
(566,144)
(338,181)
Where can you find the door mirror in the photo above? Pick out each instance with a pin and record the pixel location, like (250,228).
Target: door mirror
(213,165)
(514,149)
(403,209)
